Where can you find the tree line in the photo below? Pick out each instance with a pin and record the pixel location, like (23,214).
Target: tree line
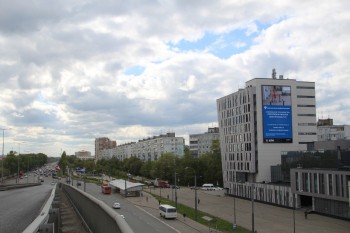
(207,168)
(13,162)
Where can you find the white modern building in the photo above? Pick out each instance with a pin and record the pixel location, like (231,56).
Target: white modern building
(256,123)
(200,144)
(149,148)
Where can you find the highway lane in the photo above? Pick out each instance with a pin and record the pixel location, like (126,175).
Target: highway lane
(19,207)
(138,219)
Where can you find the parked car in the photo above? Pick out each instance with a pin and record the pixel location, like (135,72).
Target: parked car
(116,205)
(173,186)
(192,187)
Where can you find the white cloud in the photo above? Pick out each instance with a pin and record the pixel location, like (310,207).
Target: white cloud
(62,65)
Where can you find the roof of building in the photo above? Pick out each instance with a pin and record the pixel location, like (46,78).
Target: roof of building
(120,184)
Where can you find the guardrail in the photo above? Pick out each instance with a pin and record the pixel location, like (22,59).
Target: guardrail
(43,216)
(97,215)
(16,186)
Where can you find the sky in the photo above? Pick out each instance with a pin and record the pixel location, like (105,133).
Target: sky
(72,71)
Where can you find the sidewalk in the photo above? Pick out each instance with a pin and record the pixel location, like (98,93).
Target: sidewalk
(149,201)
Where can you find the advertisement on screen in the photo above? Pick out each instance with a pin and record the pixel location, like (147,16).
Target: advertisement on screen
(277,114)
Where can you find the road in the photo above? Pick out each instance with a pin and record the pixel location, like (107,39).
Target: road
(19,207)
(268,218)
(142,220)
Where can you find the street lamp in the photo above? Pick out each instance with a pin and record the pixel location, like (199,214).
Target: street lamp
(2,158)
(252,194)
(19,153)
(195,192)
(293,212)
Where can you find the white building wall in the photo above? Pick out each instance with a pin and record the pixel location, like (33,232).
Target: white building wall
(262,154)
(152,148)
(333,132)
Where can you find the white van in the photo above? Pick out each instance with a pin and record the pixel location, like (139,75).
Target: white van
(167,211)
(207,187)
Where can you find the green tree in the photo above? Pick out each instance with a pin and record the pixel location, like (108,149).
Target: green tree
(63,162)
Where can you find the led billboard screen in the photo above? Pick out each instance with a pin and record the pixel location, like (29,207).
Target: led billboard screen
(277,114)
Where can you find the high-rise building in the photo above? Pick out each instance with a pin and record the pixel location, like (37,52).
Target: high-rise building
(201,143)
(102,144)
(256,123)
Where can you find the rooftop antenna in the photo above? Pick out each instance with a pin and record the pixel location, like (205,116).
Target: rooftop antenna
(274,73)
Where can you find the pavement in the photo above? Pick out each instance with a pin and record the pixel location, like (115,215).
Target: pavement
(267,218)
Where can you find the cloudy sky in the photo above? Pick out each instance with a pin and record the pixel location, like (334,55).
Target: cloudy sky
(71,71)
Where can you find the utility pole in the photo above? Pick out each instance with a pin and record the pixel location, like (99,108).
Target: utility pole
(175,192)
(252,194)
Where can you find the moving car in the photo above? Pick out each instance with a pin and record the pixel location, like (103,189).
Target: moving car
(116,205)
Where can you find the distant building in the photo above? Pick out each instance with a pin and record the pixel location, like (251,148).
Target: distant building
(83,155)
(201,143)
(149,149)
(102,144)
(326,131)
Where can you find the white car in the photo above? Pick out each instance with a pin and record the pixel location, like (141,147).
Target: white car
(116,205)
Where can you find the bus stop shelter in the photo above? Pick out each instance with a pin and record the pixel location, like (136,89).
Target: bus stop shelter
(124,186)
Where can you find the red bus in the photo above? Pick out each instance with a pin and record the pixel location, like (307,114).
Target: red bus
(106,189)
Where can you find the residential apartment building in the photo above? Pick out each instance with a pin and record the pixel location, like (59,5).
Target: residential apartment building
(149,148)
(102,144)
(256,123)
(201,143)
(83,155)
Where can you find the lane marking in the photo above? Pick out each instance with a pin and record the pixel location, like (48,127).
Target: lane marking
(158,219)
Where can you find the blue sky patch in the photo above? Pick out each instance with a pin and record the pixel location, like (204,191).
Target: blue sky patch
(222,45)
(134,70)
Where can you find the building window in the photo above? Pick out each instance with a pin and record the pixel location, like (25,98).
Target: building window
(306,114)
(303,87)
(297,181)
(337,185)
(330,185)
(306,105)
(306,96)
(315,183)
(321,183)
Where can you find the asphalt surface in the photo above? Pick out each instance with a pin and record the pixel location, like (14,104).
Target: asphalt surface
(19,207)
(267,218)
(141,220)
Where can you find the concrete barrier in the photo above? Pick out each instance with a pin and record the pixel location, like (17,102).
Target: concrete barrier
(43,217)
(99,217)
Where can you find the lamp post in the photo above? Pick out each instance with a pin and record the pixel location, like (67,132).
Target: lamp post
(195,193)
(175,192)
(19,153)
(234,213)
(252,194)
(2,158)
(126,192)
(293,212)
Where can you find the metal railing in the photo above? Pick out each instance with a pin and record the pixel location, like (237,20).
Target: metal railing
(43,216)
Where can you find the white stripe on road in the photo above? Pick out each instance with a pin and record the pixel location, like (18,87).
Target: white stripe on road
(158,219)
